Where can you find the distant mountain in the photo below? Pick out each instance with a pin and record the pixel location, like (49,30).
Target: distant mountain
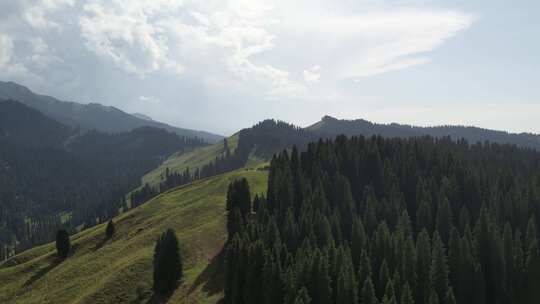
(330,127)
(90,116)
(23,125)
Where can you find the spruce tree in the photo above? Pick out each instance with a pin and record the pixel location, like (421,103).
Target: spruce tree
(302,297)
(439,268)
(444,219)
(346,287)
(167,263)
(109,231)
(389,294)
(433,298)
(384,278)
(62,243)
(423,266)
(368,293)
(406,295)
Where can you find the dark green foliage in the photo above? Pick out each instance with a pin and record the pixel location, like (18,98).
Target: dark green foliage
(439,268)
(406,295)
(301,298)
(62,243)
(238,206)
(368,293)
(168,268)
(238,196)
(110,229)
(336,220)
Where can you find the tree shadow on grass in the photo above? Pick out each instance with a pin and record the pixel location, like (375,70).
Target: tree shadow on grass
(160,299)
(101,243)
(211,277)
(43,271)
(55,261)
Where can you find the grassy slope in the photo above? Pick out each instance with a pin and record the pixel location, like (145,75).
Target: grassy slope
(192,159)
(111,271)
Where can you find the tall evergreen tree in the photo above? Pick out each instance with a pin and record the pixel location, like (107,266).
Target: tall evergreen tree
(439,269)
(423,267)
(167,263)
(110,229)
(368,293)
(62,243)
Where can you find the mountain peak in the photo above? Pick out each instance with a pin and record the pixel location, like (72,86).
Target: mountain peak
(328,118)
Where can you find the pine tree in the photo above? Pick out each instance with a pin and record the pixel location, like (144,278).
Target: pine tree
(424,217)
(406,295)
(384,278)
(389,294)
(368,293)
(433,298)
(444,219)
(358,241)
(423,266)
(167,263)
(109,231)
(302,297)
(364,269)
(238,196)
(346,287)
(62,243)
(439,268)
(450,299)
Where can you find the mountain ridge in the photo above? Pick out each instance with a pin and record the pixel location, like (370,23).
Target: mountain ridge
(90,116)
(329,126)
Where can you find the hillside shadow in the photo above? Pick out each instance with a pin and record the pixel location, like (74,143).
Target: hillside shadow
(101,243)
(43,271)
(211,278)
(159,299)
(56,260)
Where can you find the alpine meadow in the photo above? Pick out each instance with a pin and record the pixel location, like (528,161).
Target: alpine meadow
(269,152)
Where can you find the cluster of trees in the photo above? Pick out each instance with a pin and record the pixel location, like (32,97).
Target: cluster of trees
(51,176)
(388,221)
(63,243)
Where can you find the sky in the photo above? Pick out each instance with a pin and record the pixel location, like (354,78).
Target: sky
(223,65)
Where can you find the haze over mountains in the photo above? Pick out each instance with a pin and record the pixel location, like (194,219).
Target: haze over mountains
(91,116)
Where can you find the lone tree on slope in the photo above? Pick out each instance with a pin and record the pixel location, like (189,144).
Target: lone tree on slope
(167,263)
(62,243)
(109,231)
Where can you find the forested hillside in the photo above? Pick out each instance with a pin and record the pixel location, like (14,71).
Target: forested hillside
(51,176)
(330,127)
(115,270)
(389,221)
(250,146)
(23,125)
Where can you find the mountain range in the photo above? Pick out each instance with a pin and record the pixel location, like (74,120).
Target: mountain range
(330,127)
(61,167)
(91,116)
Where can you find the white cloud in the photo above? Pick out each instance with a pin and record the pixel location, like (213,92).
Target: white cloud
(149,99)
(37,13)
(7,65)
(254,50)
(312,75)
